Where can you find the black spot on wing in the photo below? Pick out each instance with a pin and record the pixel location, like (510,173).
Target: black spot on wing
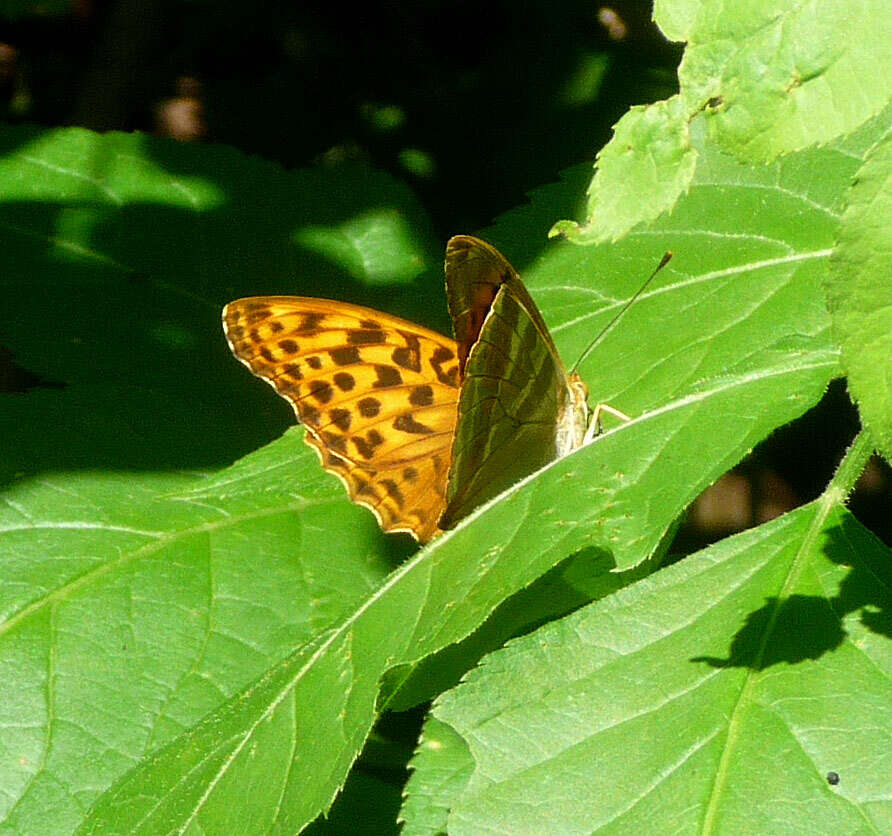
(407,424)
(387,376)
(309,415)
(439,358)
(345,356)
(366,446)
(356,336)
(345,382)
(421,396)
(335,442)
(321,390)
(310,322)
(369,407)
(393,492)
(341,418)
(408,356)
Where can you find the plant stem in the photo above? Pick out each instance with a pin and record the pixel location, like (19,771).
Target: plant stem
(851,466)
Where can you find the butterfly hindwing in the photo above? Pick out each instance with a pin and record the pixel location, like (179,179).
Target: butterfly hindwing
(377,395)
(514,388)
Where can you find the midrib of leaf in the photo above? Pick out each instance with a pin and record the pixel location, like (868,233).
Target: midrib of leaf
(288,687)
(61,243)
(162,540)
(88,253)
(732,382)
(834,495)
(182,291)
(776,187)
(74,174)
(706,277)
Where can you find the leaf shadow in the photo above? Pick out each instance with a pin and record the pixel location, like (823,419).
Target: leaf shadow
(123,319)
(574,582)
(800,627)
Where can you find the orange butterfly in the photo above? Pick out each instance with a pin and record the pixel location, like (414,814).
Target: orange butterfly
(421,429)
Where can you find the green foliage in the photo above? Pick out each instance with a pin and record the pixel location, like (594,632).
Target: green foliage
(191,646)
(634,715)
(761,78)
(860,294)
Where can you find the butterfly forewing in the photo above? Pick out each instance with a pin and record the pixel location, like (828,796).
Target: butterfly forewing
(475,271)
(377,394)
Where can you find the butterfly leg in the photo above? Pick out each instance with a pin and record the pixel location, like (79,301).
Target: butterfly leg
(594,427)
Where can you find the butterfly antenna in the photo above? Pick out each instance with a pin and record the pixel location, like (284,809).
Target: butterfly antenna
(606,329)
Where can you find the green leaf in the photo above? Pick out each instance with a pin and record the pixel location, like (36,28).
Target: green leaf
(442,767)
(240,627)
(650,154)
(120,251)
(132,606)
(860,294)
(676,17)
(789,75)
(714,696)
(760,79)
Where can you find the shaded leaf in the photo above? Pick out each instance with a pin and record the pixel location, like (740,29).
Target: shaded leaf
(119,252)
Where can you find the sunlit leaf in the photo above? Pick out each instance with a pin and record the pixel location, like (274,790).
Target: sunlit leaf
(860,293)
(758,79)
(716,695)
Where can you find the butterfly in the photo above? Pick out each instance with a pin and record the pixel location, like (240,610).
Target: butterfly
(420,428)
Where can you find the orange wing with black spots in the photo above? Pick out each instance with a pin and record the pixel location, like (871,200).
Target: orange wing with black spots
(378,396)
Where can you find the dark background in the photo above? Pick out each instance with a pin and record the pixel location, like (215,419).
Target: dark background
(472,104)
